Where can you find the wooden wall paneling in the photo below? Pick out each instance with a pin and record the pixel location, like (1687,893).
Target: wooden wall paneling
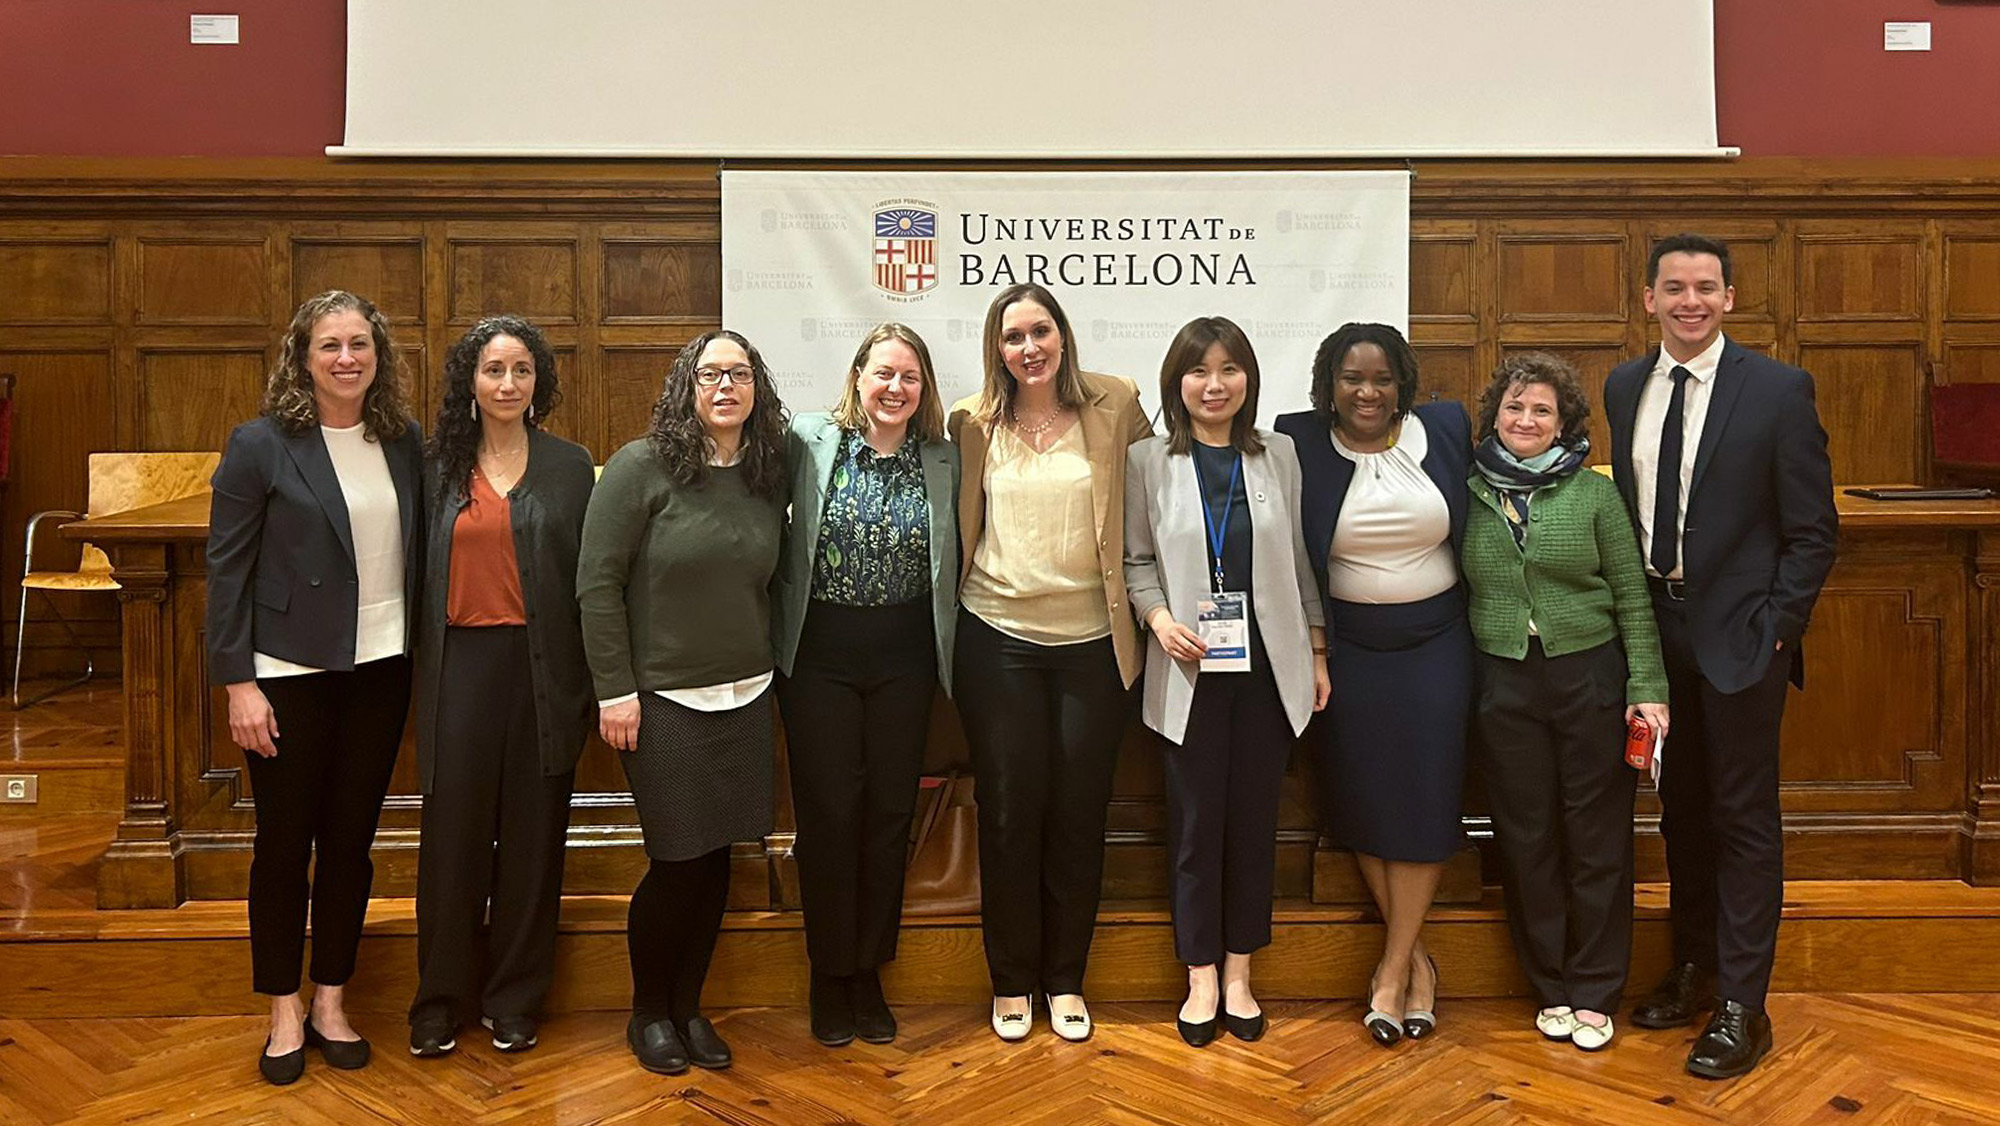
(1971,271)
(194,396)
(1971,363)
(1593,362)
(1442,279)
(1871,271)
(532,269)
(47,279)
(382,262)
(1870,398)
(1448,371)
(203,276)
(661,281)
(631,381)
(1890,615)
(62,403)
(1560,271)
(1981,844)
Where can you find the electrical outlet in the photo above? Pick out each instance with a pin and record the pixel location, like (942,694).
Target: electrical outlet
(20,788)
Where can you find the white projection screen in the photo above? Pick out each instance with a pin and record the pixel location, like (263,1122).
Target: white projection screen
(902,79)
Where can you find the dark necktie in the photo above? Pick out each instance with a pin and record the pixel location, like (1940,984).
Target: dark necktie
(1667,484)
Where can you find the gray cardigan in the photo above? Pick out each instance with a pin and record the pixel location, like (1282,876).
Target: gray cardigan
(547,507)
(815,444)
(1166,564)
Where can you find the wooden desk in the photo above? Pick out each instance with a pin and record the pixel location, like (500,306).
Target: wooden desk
(1891,758)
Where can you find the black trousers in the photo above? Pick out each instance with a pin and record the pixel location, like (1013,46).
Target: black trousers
(1552,736)
(857,710)
(670,932)
(321,793)
(1043,723)
(1223,785)
(492,838)
(1720,816)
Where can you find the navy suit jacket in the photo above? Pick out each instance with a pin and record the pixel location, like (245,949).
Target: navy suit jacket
(1759,525)
(1325,474)
(281,570)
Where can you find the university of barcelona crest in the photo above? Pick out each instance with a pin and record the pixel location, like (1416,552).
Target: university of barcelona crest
(905,259)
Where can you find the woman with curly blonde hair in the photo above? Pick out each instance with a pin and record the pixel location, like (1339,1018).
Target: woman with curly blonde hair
(312,577)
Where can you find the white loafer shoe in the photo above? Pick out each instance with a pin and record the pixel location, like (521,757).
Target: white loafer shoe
(1013,1026)
(1591,1037)
(1072,1026)
(1556,1023)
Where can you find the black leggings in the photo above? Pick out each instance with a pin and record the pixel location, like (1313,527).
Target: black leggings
(1043,723)
(670,933)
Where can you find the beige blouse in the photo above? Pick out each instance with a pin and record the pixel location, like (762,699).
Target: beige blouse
(1034,571)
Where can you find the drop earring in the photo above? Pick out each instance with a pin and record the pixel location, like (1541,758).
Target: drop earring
(531,412)
(475,410)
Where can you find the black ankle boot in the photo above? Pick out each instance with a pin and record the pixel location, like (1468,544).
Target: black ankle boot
(832,1009)
(873,1021)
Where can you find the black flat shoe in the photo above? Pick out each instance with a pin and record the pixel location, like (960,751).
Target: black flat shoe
(432,1036)
(705,1047)
(347,1055)
(1246,1029)
(281,1071)
(656,1045)
(1675,1001)
(830,1006)
(1734,1042)
(512,1034)
(873,1021)
(1197,1033)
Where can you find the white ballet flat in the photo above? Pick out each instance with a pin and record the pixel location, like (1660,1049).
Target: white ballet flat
(1590,1037)
(1074,1027)
(1013,1026)
(1556,1023)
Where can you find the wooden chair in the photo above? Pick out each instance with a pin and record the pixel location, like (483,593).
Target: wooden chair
(119,482)
(1965,434)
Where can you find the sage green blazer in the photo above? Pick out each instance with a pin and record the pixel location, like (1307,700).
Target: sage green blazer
(814,444)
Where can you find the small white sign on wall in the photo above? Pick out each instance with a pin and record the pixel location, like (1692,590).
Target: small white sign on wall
(1906,35)
(213,29)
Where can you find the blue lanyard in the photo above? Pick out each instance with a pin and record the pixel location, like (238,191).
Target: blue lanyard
(1217,533)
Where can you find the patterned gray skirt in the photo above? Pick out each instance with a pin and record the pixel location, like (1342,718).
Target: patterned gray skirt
(701,779)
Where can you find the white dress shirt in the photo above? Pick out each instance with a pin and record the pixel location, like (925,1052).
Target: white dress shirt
(1653,399)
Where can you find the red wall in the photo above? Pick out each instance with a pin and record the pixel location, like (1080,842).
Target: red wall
(119,78)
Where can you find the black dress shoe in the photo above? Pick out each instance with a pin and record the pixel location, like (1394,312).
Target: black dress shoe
(432,1035)
(831,1005)
(705,1047)
(281,1071)
(347,1055)
(873,1021)
(656,1045)
(1245,1029)
(1736,1038)
(512,1034)
(1419,1023)
(1198,1033)
(1675,1001)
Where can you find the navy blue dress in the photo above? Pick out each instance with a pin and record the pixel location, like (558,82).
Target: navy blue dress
(1392,750)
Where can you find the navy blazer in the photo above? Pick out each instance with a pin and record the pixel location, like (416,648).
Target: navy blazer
(281,573)
(1327,474)
(1759,523)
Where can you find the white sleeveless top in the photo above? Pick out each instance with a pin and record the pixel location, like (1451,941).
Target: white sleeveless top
(1393,540)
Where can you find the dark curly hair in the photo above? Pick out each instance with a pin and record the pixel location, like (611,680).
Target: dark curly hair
(1333,352)
(1523,368)
(454,439)
(288,389)
(681,441)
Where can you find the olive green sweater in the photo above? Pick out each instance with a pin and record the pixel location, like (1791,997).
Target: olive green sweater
(674,581)
(1580,579)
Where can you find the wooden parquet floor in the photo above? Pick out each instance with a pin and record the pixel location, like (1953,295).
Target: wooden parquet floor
(1839,1058)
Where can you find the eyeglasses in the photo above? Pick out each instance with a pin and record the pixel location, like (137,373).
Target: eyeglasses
(713,377)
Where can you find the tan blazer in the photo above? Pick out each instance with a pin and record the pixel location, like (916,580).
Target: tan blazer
(1111,420)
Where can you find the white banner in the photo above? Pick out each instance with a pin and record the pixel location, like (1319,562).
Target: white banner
(813,260)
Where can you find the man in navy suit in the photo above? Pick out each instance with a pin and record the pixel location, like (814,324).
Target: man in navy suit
(1722,461)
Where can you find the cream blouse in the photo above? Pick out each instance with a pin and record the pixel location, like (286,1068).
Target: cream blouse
(1034,570)
(1393,540)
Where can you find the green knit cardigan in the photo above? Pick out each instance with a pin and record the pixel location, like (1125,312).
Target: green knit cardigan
(1580,578)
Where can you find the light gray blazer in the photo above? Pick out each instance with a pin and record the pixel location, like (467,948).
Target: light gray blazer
(1166,564)
(814,445)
